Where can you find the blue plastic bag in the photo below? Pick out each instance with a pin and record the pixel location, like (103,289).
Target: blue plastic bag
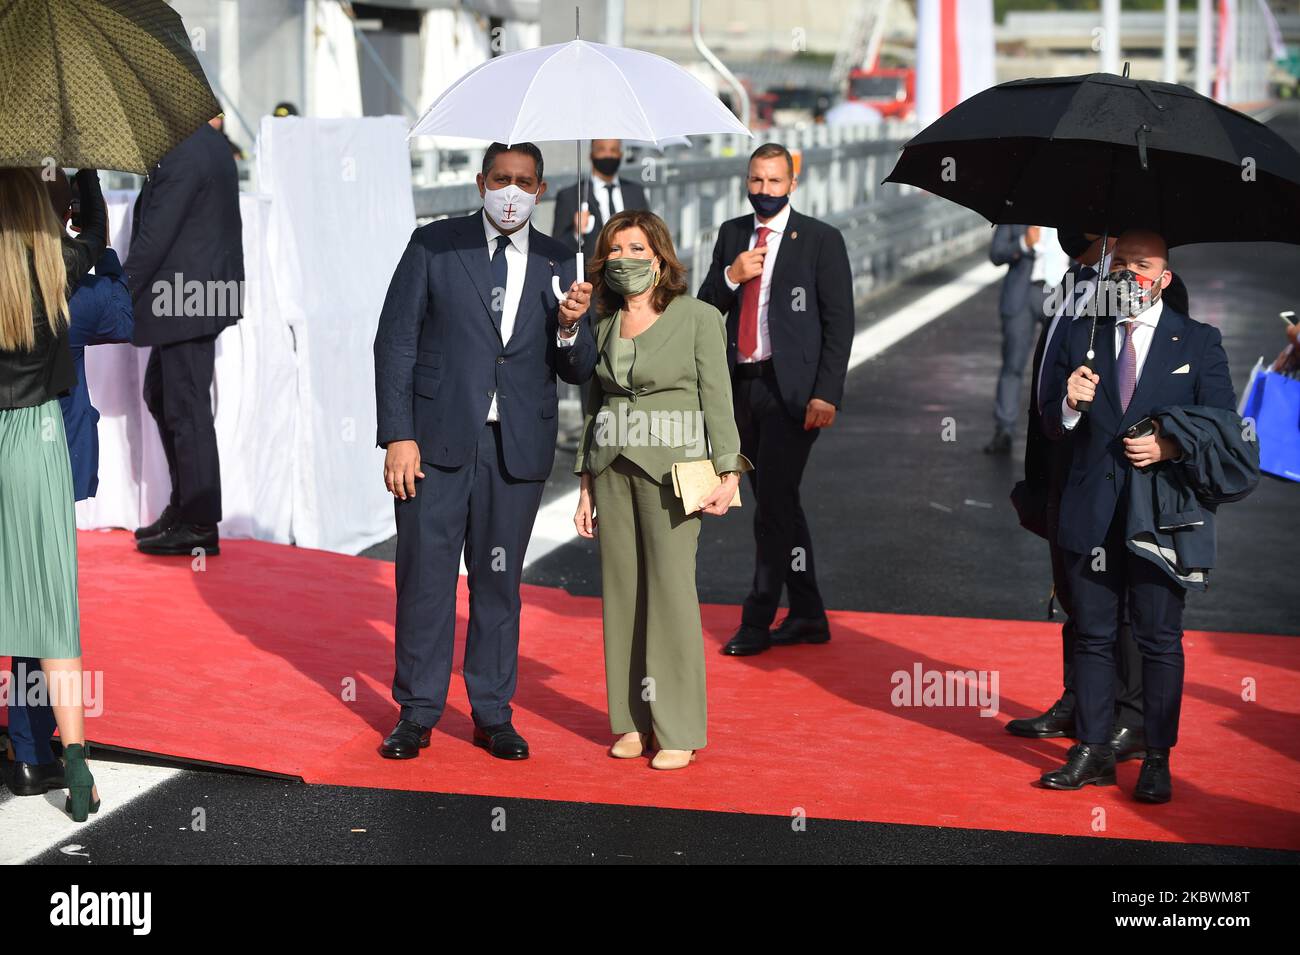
(1274,404)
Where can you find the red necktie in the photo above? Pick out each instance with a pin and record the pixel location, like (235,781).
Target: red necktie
(747,343)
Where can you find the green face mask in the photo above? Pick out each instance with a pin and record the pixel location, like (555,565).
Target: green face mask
(628,276)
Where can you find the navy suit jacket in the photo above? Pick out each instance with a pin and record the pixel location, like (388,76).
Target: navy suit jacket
(101,314)
(810,315)
(1099,472)
(187,223)
(439,357)
(1005,250)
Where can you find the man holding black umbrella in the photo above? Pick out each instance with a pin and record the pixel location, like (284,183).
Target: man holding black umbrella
(1150,359)
(1038,499)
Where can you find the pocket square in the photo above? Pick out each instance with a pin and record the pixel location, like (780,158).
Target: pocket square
(1183,370)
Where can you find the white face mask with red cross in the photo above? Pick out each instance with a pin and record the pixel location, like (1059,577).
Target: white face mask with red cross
(508,206)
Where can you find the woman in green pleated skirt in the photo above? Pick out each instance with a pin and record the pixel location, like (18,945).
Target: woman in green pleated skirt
(39,264)
(38,536)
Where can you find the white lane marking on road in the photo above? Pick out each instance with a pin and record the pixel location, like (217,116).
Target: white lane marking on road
(33,824)
(554,526)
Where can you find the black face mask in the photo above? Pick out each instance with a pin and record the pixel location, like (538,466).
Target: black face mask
(767,206)
(607,165)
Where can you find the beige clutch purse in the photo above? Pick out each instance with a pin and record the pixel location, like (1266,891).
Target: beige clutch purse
(693,481)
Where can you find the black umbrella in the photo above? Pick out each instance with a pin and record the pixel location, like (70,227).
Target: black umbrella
(1102,153)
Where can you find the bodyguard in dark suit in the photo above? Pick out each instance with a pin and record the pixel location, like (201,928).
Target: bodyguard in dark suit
(1020,306)
(469,346)
(1038,498)
(1147,358)
(606,194)
(783,281)
(185,268)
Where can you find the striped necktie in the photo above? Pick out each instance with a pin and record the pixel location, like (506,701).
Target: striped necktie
(1127,370)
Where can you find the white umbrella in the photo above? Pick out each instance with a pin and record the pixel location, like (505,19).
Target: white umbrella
(577,90)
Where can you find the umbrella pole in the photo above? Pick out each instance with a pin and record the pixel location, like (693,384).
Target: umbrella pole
(577,150)
(582,205)
(1090,360)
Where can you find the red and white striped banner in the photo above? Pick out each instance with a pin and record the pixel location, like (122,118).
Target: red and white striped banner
(954,53)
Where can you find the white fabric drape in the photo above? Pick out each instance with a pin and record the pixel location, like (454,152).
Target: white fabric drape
(336,76)
(452,42)
(341,214)
(293,387)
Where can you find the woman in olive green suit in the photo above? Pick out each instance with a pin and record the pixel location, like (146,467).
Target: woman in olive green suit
(661,394)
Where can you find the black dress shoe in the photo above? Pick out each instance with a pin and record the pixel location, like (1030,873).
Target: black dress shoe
(1128,743)
(1053,724)
(1154,781)
(801,630)
(34,779)
(748,641)
(1089,764)
(405,741)
(1000,444)
(501,741)
(166,521)
(182,540)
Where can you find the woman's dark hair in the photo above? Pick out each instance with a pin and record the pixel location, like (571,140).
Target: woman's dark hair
(672,274)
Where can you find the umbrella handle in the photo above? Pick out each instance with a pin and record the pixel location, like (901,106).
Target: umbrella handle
(1083,407)
(555,279)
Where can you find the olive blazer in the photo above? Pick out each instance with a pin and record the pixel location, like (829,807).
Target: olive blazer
(679,406)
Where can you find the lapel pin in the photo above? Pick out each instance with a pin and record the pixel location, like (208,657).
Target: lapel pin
(1175,338)
(794,235)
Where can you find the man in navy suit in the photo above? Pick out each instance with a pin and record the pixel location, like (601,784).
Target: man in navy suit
(1147,358)
(469,346)
(186,229)
(1047,465)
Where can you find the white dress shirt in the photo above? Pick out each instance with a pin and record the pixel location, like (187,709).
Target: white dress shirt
(778,225)
(1050,260)
(1144,330)
(516,254)
(597,189)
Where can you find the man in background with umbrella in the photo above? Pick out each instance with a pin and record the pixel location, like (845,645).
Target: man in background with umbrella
(1035,264)
(606,194)
(1150,358)
(469,346)
(185,266)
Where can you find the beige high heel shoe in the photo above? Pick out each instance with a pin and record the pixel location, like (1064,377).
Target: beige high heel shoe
(629,746)
(670,758)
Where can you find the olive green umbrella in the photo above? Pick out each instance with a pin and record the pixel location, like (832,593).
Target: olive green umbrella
(102,84)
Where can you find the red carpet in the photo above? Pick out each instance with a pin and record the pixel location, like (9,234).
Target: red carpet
(280,659)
